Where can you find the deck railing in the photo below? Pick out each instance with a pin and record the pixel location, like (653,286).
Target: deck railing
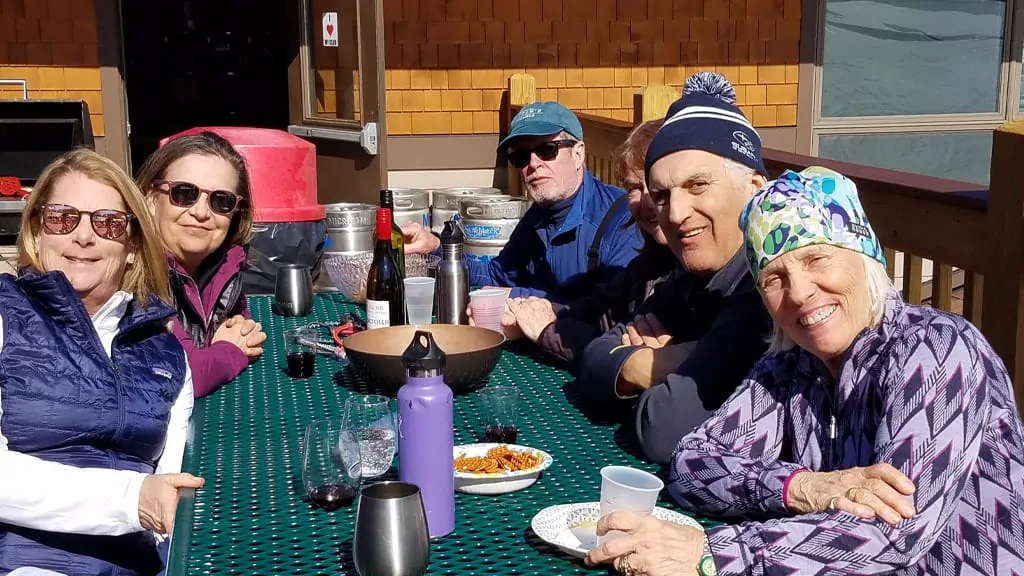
(973,239)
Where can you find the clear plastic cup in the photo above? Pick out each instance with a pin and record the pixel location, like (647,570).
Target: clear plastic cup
(419,299)
(487,305)
(625,488)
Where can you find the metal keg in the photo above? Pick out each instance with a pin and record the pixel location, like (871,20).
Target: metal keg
(488,223)
(445,203)
(351,229)
(412,205)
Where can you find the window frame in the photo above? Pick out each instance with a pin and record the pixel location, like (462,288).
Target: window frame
(1008,70)
(911,129)
(1013,64)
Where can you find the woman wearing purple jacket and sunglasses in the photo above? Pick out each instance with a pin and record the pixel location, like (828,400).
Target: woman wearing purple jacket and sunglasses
(198,191)
(874,437)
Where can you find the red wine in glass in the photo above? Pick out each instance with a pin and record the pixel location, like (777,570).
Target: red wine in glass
(501,434)
(332,497)
(301,364)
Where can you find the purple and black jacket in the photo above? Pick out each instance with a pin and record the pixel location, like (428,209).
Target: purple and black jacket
(202,305)
(923,391)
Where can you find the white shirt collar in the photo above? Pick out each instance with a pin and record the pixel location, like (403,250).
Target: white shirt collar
(108,317)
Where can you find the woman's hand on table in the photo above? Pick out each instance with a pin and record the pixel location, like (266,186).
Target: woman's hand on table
(879,490)
(158,499)
(419,240)
(254,337)
(246,334)
(532,315)
(650,547)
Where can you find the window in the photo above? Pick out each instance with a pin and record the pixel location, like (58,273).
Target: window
(910,57)
(963,156)
(331,83)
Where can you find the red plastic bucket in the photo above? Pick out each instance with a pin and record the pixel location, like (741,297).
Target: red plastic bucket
(282,172)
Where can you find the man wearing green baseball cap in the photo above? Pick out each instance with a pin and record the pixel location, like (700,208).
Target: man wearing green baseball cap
(575,234)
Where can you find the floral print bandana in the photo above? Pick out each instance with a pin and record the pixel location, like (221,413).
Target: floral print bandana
(816,206)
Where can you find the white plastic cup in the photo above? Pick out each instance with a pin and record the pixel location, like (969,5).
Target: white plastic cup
(419,299)
(625,488)
(487,305)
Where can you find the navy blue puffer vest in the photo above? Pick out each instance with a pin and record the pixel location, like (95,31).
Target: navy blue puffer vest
(64,400)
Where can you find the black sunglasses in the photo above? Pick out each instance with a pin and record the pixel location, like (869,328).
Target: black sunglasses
(62,220)
(545,151)
(186,194)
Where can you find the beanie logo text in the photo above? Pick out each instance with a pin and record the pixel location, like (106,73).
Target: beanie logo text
(741,143)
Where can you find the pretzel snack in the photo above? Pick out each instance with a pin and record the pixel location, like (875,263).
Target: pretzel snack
(497,459)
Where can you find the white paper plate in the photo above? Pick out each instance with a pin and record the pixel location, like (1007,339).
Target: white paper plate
(498,482)
(572,528)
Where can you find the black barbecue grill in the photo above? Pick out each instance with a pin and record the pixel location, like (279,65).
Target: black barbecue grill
(32,134)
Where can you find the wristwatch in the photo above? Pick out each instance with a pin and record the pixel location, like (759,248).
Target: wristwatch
(706,566)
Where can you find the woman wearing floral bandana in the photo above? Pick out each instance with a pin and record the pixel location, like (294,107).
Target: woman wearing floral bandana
(874,437)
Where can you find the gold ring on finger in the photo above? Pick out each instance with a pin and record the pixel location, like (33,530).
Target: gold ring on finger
(832,502)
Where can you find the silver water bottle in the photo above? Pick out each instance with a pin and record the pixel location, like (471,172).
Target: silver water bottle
(452,277)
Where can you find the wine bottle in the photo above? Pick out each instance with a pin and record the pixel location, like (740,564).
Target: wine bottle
(387,200)
(385,291)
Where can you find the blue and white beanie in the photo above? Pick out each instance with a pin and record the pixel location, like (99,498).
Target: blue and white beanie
(706,118)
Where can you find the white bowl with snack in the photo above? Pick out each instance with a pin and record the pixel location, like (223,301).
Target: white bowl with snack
(572,528)
(491,469)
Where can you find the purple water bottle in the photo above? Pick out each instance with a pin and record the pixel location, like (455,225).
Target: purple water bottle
(425,420)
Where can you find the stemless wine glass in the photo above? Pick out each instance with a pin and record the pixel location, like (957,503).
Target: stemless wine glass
(331,464)
(370,419)
(394,509)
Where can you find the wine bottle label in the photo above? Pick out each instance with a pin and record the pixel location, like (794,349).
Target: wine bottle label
(378,314)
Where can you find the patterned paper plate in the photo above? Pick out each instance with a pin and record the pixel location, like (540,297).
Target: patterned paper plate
(572,528)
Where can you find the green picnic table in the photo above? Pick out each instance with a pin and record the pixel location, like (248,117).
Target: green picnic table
(251,516)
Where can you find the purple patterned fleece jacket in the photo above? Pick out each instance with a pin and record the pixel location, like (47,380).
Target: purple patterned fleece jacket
(924,392)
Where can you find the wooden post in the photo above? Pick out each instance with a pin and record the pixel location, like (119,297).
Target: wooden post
(1003,299)
(912,278)
(942,286)
(890,263)
(974,287)
(522,90)
(653,103)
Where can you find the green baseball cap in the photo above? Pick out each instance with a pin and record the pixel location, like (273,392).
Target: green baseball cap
(543,119)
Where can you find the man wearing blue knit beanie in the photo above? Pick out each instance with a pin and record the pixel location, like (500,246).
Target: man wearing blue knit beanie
(699,334)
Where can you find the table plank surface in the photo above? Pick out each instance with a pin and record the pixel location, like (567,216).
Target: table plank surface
(251,517)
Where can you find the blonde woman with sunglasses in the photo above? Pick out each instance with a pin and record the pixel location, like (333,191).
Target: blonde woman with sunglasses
(198,192)
(95,391)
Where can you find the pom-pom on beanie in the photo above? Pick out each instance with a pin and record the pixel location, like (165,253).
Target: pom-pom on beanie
(706,118)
